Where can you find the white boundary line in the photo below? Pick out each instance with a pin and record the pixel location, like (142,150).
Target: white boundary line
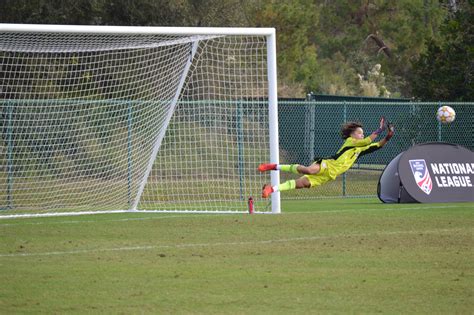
(68,214)
(193,245)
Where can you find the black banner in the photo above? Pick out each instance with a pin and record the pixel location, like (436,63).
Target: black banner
(429,172)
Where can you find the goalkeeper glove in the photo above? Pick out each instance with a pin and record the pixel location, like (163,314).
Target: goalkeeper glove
(391,131)
(382,126)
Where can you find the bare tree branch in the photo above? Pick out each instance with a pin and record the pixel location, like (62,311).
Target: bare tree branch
(382,47)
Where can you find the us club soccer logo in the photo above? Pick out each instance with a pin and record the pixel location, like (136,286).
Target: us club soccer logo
(422,176)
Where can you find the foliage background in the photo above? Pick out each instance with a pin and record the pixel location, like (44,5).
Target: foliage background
(419,49)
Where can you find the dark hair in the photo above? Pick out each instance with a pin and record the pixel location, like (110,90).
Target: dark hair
(348,128)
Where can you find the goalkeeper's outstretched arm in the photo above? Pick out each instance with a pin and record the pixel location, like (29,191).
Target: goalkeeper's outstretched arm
(377,132)
(390,133)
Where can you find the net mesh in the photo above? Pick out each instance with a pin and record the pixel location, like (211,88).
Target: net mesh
(84,115)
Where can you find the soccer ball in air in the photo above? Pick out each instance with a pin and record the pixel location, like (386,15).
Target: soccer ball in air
(445,114)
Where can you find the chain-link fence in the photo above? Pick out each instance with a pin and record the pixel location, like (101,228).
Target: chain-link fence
(309,129)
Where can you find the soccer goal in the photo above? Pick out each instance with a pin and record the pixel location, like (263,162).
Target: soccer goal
(105,119)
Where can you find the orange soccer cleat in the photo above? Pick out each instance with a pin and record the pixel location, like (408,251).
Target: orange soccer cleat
(267,167)
(266,191)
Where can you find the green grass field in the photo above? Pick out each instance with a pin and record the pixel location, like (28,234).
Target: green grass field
(325,256)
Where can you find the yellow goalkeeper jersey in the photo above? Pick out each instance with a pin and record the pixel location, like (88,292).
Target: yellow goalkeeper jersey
(348,154)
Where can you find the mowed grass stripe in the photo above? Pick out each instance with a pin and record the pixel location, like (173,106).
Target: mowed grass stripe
(166,216)
(256,242)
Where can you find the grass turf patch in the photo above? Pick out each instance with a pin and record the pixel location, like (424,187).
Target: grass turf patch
(335,256)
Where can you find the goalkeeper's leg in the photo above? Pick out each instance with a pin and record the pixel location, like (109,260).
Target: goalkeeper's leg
(302,182)
(313,169)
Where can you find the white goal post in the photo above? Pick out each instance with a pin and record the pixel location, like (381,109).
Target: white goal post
(99,119)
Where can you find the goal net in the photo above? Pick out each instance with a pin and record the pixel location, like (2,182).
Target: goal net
(106,119)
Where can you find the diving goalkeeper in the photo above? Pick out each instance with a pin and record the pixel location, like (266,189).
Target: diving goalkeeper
(327,169)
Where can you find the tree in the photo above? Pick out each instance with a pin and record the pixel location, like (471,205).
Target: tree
(370,32)
(50,12)
(323,46)
(128,12)
(445,71)
(297,55)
